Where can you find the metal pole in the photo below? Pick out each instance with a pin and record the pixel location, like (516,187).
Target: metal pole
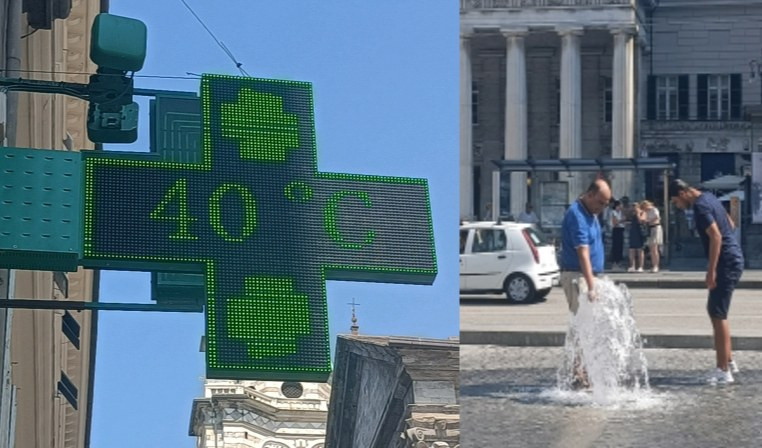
(666,215)
(84,306)
(6,386)
(155,92)
(12,65)
(496,194)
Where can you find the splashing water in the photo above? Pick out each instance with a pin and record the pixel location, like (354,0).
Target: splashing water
(604,342)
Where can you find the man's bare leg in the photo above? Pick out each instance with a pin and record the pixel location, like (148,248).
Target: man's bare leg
(580,379)
(722,342)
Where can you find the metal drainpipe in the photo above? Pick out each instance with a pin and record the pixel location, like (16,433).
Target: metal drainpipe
(104,8)
(12,66)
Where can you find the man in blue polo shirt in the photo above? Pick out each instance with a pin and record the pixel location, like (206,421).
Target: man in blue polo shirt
(723,270)
(581,259)
(581,242)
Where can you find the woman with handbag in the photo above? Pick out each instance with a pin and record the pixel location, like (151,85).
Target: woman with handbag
(655,238)
(636,218)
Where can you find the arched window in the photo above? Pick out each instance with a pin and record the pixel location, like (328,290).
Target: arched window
(274,445)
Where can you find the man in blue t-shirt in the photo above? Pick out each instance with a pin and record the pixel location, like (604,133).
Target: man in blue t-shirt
(723,270)
(581,259)
(581,241)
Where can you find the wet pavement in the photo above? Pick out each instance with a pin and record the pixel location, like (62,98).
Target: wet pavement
(509,399)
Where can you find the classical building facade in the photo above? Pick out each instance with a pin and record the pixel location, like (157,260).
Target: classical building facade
(394,392)
(546,79)
(47,356)
(260,414)
(605,78)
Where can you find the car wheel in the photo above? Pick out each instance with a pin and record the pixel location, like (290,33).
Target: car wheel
(541,294)
(519,288)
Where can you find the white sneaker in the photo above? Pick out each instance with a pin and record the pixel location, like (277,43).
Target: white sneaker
(639,270)
(720,377)
(654,270)
(733,367)
(630,269)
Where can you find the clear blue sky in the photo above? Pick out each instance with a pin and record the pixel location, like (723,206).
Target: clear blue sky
(385,84)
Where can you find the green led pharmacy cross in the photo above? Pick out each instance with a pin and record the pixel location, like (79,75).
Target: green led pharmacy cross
(263,225)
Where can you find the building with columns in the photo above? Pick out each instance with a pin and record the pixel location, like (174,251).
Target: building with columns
(260,414)
(546,79)
(553,79)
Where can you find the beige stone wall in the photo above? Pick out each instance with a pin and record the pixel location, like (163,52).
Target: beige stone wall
(39,352)
(45,120)
(39,349)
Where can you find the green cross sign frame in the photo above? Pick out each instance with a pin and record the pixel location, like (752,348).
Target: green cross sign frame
(261,223)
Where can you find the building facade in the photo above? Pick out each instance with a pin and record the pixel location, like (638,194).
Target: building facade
(260,414)
(395,392)
(572,79)
(47,355)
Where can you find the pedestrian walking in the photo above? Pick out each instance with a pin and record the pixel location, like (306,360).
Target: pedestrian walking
(617,234)
(723,271)
(604,219)
(655,235)
(487,215)
(636,220)
(528,215)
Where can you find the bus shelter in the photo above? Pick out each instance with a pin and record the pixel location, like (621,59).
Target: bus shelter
(531,165)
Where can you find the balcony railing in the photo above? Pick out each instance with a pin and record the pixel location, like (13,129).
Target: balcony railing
(468,5)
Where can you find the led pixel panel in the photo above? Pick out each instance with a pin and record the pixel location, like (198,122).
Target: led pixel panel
(40,209)
(265,227)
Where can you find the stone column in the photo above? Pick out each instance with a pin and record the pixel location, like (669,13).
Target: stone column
(516,113)
(640,93)
(570,135)
(623,108)
(466,140)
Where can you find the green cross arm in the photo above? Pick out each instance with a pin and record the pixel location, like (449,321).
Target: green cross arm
(377,229)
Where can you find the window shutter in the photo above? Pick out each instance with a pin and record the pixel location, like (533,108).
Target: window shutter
(651,103)
(735,96)
(683,96)
(70,328)
(701,94)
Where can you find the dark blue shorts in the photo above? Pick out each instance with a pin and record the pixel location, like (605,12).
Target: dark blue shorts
(718,303)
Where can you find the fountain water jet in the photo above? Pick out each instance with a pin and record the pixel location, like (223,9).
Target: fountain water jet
(604,342)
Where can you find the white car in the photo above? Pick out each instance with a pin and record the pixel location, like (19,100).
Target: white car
(506,256)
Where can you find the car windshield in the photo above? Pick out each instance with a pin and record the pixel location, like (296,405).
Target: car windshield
(537,238)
